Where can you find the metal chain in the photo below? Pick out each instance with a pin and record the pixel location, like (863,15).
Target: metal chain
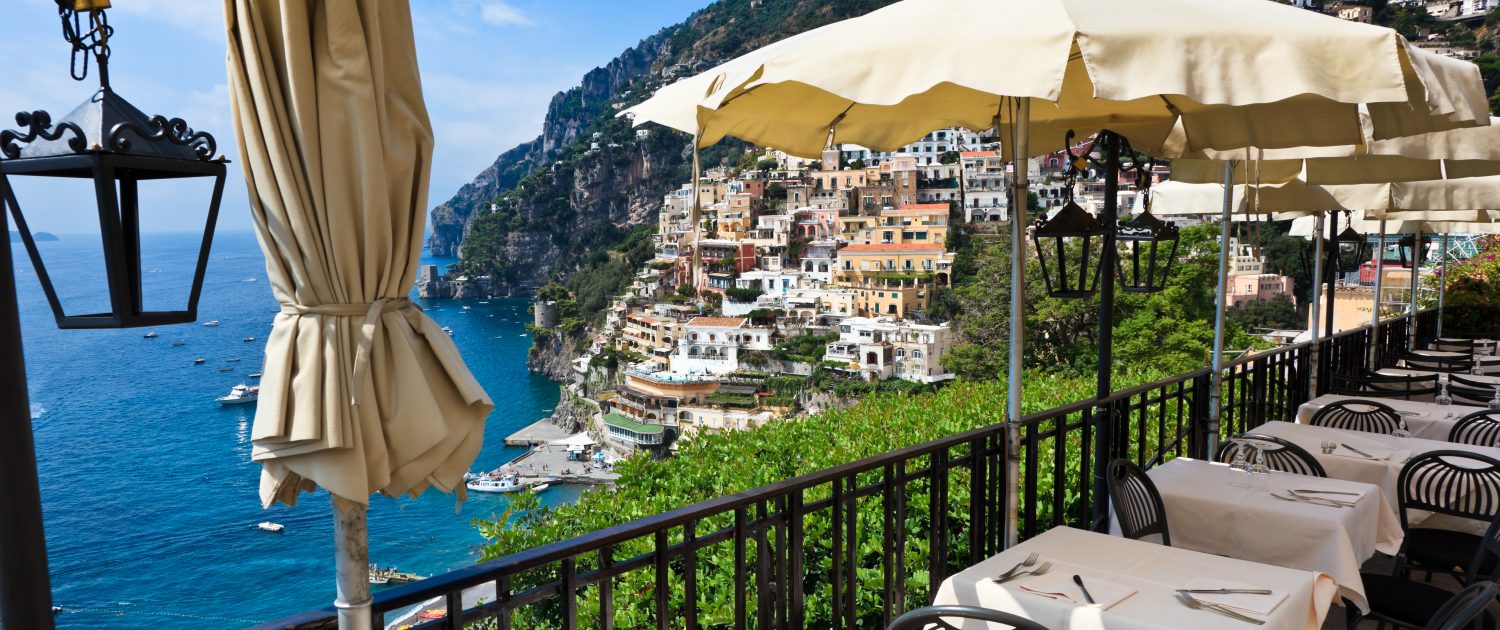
(94,41)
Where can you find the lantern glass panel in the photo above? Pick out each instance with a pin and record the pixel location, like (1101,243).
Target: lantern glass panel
(172,217)
(60,215)
(1068,246)
(1409,251)
(1147,253)
(1351,250)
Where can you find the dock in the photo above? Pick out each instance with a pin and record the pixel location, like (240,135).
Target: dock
(538,433)
(550,464)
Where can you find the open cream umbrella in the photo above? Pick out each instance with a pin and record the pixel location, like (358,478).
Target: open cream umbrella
(1174,76)
(362,392)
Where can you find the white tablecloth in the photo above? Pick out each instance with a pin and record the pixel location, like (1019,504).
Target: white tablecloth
(1206,512)
(1381,472)
(1151,569)
(1428,424)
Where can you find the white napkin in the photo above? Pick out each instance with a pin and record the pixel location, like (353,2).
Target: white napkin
(1259,605)
(1059,585)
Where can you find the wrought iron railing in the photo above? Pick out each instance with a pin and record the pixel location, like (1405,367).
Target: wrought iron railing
(789,554)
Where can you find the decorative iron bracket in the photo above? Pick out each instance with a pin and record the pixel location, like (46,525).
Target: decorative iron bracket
(175,131)
(36,125)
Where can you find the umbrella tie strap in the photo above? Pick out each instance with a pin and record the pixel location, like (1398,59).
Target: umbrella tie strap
(372,313)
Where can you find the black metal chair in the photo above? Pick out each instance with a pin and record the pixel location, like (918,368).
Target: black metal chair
(1453,345)
(1481,428)
(1280,455)
(1471,396)
(1457,483)
(1466,608)
(1406,602)
(1405,387)
(1489,366)
(932,617)
(1358,415)
(1414,361)
(1137,504)
(1468,380)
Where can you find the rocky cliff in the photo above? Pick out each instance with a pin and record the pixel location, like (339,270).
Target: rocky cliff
(553,356)
(545,206)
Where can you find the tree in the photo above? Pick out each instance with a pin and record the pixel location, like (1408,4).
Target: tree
(857,164)
(1277,313)
(766,164)
(948,157)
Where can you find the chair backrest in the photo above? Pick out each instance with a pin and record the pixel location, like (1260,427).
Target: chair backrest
(1453,345)
(1487,556)
(1490,366)
(1434,364)
(1280,454)
(1472,396)
(932,617)
(1358,415)
(1469,381)
(1456,483)
(1481,428)
(1403,386)
(1464,609)
(1138,505)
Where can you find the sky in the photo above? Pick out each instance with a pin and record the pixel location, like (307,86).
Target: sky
(489,68)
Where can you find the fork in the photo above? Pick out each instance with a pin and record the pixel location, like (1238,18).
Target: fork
(1041,570)
(1314,501)
(1196,604)
(1029,561)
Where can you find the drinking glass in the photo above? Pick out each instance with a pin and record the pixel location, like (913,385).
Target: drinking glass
(1443,400)
(1260,473)
(1403,441)
(1239,464)
(1328,447)
(1495,402)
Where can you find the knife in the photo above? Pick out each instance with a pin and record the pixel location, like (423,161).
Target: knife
(1357,451)
(1352,494)
(1229,591)
(1079,581)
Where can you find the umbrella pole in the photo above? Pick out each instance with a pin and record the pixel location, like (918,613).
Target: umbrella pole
(1312,376)
(351,537)
(1442,285)
(1216,376)
(1416,274)
(1332,271)
(1107,446)
(25,592)
(1375,304)
(1013,385)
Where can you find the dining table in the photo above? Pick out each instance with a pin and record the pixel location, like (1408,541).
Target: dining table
(1375,458)
(1134,586)
(1425,420)
(1215,509)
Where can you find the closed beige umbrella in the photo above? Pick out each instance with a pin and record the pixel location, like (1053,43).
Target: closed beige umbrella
(362,392)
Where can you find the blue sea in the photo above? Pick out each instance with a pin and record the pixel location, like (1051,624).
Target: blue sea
(149,494)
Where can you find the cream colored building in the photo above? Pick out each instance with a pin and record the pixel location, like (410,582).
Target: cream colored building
(884,348)
(892,279)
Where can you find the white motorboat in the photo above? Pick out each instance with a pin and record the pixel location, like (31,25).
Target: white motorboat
(249,339)
(495,483)
(268,526)
(151,335)
(211,323)
(232,360)
(240,394)
(199,361)
(540,487)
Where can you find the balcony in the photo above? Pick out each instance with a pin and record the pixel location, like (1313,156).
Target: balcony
(791,549)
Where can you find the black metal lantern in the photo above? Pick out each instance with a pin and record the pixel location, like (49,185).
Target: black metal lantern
(1409,250)
(1148,249)
(1350,250)
(1069,272)
(109,141)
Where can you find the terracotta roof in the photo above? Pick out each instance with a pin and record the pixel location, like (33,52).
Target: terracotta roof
(640,317)
(977,154)
(892,247)
(724,322)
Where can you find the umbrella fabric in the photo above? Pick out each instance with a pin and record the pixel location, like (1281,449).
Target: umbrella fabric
(361,392)
(1282,202)
(1223,75)
(1481,222)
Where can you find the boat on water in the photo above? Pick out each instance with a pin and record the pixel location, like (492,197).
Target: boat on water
(240,394)
(268,526)
(226,369)
(540,487)
(232,360)
(248,339)
(212,323)
(495,482)
(178,344)
(255,375)
(391,575)
(448,330)
(199,361)
(466,307)
(151,335)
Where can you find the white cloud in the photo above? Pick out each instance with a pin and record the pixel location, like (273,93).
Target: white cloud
(501,13)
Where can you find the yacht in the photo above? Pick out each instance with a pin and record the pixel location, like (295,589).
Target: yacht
(199,361)
(240,394)
(495,482)
(212,323)
(249,339)
(448,330)
(151,335)
(268,526)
